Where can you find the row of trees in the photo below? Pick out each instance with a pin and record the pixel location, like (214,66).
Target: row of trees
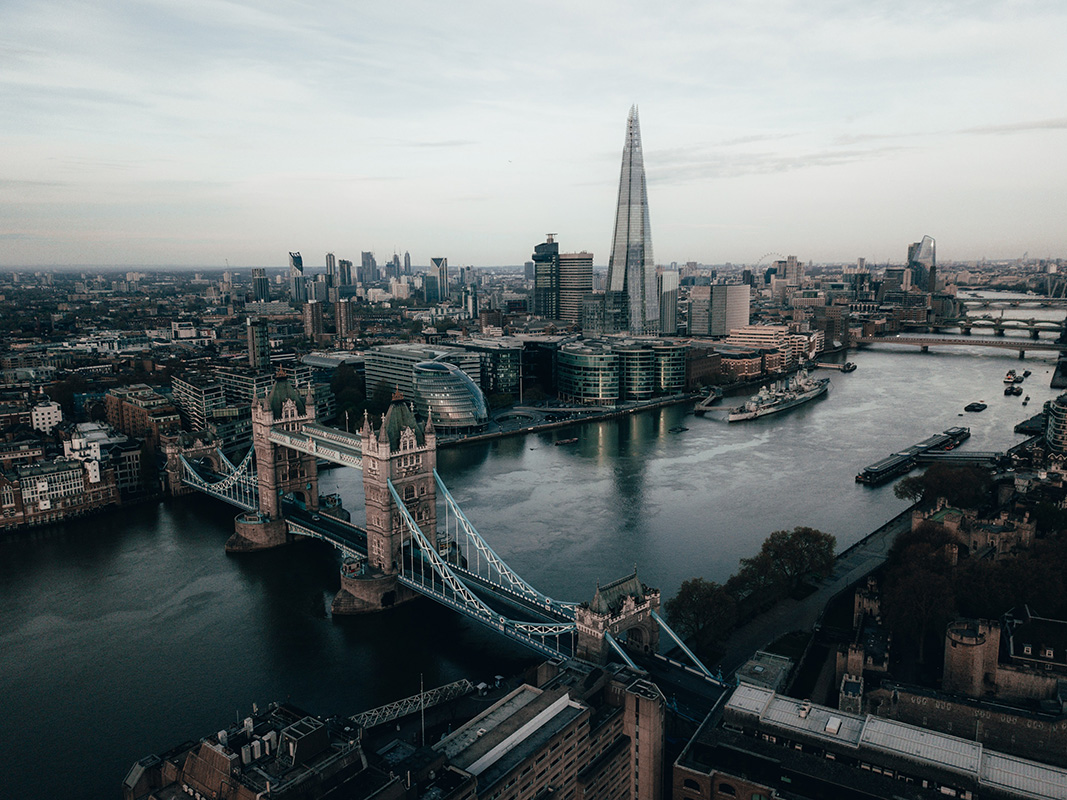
(709,610)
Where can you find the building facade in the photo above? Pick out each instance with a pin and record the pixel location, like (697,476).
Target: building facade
(575,282)
(546,279)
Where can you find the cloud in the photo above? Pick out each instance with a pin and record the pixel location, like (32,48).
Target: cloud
(684,165)
(1055,124)
(442,143)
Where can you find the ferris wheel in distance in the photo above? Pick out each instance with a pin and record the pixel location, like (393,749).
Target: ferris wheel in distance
(765,256)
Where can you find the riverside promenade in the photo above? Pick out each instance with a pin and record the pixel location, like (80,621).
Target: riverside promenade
(851,566)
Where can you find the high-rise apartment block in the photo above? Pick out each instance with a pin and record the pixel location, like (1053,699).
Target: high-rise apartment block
(345,318)
(331,270)
(345,268)
(312,316)
(632,304)
(258,343)
(575,282)
(368,268)
(260,285)
(407,263)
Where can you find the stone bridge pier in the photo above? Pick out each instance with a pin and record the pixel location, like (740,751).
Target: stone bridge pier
(279,470)
(404,453)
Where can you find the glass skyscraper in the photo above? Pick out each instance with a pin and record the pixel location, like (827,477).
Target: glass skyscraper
(632,304)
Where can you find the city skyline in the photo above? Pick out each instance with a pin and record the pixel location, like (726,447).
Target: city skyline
(206,133)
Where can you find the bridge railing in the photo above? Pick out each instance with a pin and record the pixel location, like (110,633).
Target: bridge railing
(240,487)
(427,572)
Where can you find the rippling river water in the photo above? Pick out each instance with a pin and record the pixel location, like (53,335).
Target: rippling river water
(125,634)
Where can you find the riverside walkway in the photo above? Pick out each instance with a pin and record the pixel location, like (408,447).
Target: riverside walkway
(850,567)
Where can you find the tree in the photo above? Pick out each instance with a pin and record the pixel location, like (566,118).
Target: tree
(800,552)
(965,487)
(919,602)
(702,608)
(911,488)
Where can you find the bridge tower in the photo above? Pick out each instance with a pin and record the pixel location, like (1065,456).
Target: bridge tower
(403,452)
(279,470)
(623,610)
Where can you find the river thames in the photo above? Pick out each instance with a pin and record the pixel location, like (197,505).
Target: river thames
(126,634)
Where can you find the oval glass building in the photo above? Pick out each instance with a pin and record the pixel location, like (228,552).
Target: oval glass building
(447,396)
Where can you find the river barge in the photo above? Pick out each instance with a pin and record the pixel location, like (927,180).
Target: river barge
(898,463)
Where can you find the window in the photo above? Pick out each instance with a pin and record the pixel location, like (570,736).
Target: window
(1027,650)
(689,783)
(727,789)
(1048,652)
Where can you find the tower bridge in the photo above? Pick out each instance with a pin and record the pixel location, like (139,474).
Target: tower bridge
(401,552)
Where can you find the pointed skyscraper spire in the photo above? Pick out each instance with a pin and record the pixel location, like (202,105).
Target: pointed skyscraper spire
(632,304)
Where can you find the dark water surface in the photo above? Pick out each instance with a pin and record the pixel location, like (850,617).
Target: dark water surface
(125,634)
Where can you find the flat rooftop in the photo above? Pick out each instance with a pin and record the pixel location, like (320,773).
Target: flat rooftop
(766,710)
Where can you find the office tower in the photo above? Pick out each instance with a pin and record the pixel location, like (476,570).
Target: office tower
(546,278)
(260,285)
(331,270)
(440,266)
(297,287)
(368,268)
(716,310)
(258,343)
(922,261)
(407,263)
(345,269)
(528,270)
(392,269)
(575,282)
(668,302)
(312,313)
(631,302)
(430,290)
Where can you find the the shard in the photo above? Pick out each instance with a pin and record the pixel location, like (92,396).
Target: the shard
(632,305)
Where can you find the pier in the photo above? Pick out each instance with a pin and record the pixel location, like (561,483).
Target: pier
(903,461)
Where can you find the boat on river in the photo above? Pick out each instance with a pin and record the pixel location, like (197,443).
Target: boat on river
(782,396)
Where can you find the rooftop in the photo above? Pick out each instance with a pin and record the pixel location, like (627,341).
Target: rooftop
(752,706)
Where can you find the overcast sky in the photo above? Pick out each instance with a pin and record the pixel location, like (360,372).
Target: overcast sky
(162,132)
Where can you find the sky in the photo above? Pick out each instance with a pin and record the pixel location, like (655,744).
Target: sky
(213,132)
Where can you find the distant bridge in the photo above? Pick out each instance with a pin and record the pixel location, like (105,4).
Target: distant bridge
(925,343)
